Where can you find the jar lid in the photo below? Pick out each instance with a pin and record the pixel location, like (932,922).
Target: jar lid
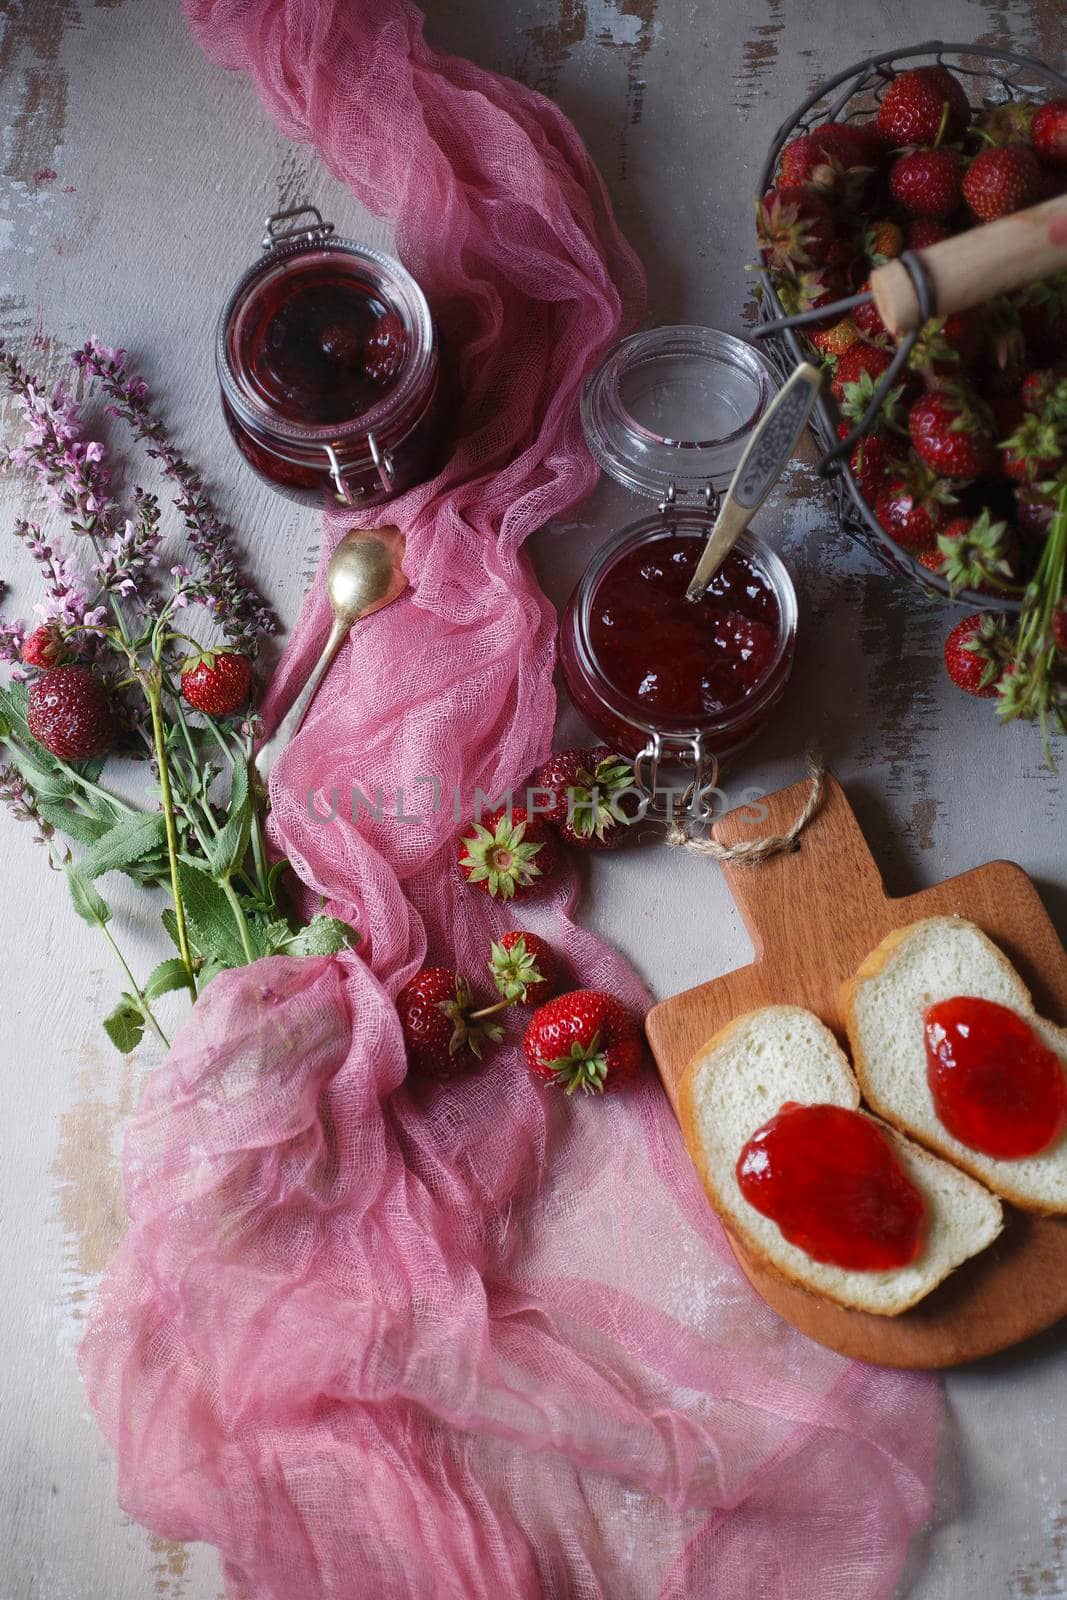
(669,410)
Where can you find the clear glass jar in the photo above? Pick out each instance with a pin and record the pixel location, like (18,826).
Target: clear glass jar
(327,358)
(677,684)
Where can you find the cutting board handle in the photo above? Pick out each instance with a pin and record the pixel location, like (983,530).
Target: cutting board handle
(831,874)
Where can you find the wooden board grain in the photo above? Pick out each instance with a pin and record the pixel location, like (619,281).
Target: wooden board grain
(813,916)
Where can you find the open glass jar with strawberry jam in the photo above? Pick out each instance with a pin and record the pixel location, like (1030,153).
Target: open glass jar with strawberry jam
(327,359)
(677,684)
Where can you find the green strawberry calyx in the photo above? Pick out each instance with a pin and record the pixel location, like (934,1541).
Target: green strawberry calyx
(592,802)
(501,857)
(470,1032)
(584,1067)
(515,972)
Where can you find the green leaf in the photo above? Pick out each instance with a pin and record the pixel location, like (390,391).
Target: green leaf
(13,700)
(170,922)
(210,919)
(228,849)
(82,829)
(323,936)
(124,843)
(87,903)
(125,1026)
(170,974)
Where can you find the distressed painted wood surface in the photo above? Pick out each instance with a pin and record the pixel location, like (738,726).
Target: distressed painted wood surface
(135,179)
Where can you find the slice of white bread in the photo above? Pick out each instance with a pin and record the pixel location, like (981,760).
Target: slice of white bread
(739,1080)
(883,1008)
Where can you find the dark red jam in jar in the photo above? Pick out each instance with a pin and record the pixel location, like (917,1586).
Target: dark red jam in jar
(830,1178)
(328,363)
(654,672)
(996,1085)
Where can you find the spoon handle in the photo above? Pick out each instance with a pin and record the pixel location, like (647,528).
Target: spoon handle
(290,724)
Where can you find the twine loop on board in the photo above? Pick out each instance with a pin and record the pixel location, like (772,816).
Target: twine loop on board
(750,852)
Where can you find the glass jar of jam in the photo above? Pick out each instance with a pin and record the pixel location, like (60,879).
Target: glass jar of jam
(327,358)
(677,684)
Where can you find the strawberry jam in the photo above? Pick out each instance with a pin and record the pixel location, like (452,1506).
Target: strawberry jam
(995,1085)
(328,363)
(830,1179)
(322,347)
(678,657)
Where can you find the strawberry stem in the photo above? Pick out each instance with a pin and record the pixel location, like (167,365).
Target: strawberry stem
(153,694)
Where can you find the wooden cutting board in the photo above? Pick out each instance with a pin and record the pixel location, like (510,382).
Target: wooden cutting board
(813,916)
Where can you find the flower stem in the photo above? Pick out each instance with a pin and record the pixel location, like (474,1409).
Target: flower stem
(142,1001)
(153,694)
(238,916)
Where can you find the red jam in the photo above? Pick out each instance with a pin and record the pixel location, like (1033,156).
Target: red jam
(996,1086)
(831,1181)
(677,657)
(321,347)
(329,368)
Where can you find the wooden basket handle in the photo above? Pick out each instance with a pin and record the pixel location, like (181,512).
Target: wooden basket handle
(976,265)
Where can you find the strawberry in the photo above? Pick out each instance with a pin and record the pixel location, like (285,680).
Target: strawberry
(384,351)
(69,713)
(952,431)
(795,228)
(1008,123)
(1000,181)
(584,1040)
(868,319)
(835,340)
(1048,132)
(836,159)
(511,856)
(44,647)
(914,506)
(807,291)
(586,787)
(971,658)
(922,232)
(926,183)
(923,105)
(1039,388)
(524,968)
(1059,630)
(442,1036)
(1043,314)
(859,359)
(932,560)
(978,553)
(947,344)
(216,682)
(1034,510)
(883,240)
(1034,451)
(873,459)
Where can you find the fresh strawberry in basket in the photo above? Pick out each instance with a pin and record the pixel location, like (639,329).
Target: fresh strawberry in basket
(914,506)
(923,105)
(795,228)
(927,183)
(998,182)
(952,431)
(980,553)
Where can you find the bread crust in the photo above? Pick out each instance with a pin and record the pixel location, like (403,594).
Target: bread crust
(753,1251)
(872,967)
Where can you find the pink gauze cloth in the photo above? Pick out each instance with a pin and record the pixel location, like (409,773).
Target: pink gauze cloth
(376,1338)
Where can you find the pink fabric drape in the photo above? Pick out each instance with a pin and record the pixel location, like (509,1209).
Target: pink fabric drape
(374,1337)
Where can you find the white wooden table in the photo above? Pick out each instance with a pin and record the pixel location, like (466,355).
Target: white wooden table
(135,182)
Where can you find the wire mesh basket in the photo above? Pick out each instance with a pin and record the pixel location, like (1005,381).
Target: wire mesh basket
(992,77)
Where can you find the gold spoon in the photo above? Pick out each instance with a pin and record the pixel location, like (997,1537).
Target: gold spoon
(364,574)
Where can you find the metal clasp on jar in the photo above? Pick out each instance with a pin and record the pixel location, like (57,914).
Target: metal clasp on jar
(282,227)
(670,501)
(349,494)
(669,801)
